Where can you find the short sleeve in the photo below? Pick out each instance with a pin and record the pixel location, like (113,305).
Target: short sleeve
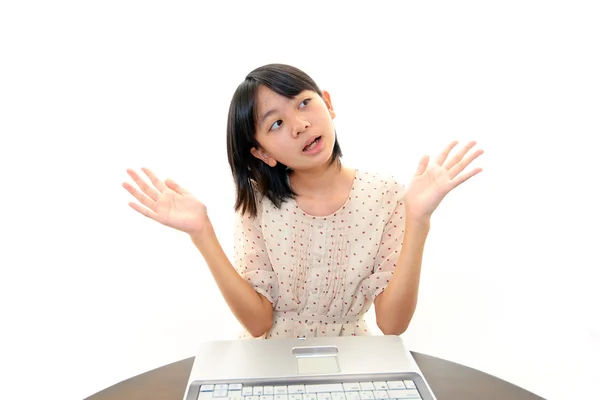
(251,260)
(390,244)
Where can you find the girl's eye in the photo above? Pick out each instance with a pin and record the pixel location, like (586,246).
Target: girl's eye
(276,125)
(304,103)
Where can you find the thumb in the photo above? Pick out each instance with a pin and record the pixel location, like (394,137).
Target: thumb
(171,184)
(422,165)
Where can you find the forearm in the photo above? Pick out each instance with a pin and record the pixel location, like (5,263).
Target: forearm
(396,305)
(251,309)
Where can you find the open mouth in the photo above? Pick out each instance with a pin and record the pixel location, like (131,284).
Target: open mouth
(312,144)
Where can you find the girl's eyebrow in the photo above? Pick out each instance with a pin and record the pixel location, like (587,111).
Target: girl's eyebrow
(273,111)
(267,115)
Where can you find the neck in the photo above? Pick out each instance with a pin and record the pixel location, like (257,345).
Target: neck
(320,181)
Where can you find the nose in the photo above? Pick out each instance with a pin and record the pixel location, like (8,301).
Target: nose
(300,127)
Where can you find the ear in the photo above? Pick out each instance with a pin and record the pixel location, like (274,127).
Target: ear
(327,100)
(262,155)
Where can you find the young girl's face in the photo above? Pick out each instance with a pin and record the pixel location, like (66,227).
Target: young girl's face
(297,132)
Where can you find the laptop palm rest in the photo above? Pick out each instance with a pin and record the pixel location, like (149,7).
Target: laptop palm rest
(316,359)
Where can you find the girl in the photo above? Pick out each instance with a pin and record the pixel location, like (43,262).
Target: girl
(316,242)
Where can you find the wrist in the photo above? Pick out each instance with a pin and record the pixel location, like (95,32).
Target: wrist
(203,235)
(418,222)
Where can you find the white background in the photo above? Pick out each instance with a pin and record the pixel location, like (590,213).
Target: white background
(92,293)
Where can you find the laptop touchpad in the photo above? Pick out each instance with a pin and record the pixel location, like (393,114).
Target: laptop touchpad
(317,359)
(318,365)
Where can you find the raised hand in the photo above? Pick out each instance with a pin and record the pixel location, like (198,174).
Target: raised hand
(168,203)
(432,182)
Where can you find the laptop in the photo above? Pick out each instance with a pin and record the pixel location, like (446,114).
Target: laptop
(377,367)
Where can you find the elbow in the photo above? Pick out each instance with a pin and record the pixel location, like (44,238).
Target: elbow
(396,331)
(259,321)
(256,334)
(259,328)
(393,320)
(393,327)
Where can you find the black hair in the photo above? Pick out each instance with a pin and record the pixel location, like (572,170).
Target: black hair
(249,173)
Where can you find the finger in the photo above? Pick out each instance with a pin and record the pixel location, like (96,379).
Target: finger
(463,178)
(145,200)
(461,165)
(444,154)
(150,192)
(459,156)
(144,211)
(155,181)
(171,184)
(422,165)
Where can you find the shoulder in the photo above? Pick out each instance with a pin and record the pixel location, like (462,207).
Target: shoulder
(266,212)
(379,184)
(248,220)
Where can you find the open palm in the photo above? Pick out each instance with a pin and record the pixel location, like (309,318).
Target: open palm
(168,203)
(432,182)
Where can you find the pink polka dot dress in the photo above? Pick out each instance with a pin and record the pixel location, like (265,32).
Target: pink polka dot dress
(322,273)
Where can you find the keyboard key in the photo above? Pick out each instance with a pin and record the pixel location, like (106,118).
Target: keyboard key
(409,394)
(338,396)
(207,388)
(351,386)
(366,395)
(380,385)
(353,395)
(393,385)
(268,390)
(281,396)
(220,393)
(266,397)
(235,386)
(380,394)
(247,391)
(296,389)
(257,390)
(280,390)
(324,396)
(367,386)
(396,394)
(324,388)
(409,384)
(309,396)
(235,395)
(221,387)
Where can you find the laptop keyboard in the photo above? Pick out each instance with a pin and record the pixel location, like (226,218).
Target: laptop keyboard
(382,390)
